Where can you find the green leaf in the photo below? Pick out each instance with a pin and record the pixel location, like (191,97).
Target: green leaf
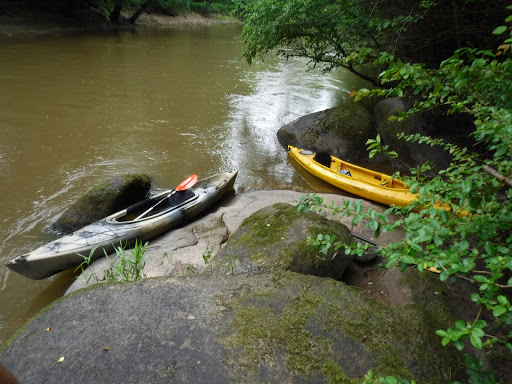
(408,259)
(499,30)
(476,341)
(467,186)
(459,344)
(390,380)
(481,279)
(503,300)
(499,310)
(460,324)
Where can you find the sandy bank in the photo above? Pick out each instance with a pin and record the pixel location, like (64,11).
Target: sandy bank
(42,24)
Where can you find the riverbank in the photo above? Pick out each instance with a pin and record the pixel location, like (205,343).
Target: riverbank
(41,24)
(197,326)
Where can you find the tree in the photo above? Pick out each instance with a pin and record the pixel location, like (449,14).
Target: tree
(473,239)
(348,33)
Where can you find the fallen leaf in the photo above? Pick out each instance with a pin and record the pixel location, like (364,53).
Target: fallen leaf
(48,329)
(61,359)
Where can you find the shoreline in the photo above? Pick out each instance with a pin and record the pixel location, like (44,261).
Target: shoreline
(45,24)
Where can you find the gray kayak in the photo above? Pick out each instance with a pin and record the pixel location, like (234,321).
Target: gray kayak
(124,227)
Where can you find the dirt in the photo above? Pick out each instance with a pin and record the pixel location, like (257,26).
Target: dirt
(32,24)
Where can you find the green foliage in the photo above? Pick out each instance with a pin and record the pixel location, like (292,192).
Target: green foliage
(225,7)
(207,254)
(328,243)
(462,223)
(126,266)
(474,369)
(375,147)
(106,7)
(130,265)
(370,378)
(331,33)
(322,30)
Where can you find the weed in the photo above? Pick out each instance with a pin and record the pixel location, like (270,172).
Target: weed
(126,266)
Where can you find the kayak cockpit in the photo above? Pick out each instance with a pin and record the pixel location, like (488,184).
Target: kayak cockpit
(160,203)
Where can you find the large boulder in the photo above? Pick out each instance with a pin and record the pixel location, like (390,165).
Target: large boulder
(409,152)
(275,238)
(266,328)
(103,200)
(342,130)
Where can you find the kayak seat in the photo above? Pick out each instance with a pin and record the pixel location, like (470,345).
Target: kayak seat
(344,171)
(323,158)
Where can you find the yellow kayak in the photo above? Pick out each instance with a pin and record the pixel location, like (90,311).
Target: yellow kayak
(359,181)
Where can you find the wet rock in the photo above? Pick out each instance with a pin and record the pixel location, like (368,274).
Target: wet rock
(269,328)
(103,200)
(342,130)
(275,239)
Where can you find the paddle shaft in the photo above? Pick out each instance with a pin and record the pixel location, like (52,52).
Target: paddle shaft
(366,240)
(186,184)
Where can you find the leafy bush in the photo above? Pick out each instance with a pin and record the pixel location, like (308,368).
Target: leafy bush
(225,7)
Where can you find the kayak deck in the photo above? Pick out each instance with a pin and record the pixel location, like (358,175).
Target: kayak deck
(359,181)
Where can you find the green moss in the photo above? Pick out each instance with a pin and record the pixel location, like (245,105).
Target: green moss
(258,334)
(310,137)
(276,239)
(335,375)
(287,137)
(268,229)
(302,322)
(347,120)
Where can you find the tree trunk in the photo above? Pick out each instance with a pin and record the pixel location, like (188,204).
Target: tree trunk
(138,12)
(207,7)
(116,12)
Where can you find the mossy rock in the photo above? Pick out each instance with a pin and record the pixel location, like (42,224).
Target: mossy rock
(342,130)
(275,239)
(103,200)
(324,331)
(261,328)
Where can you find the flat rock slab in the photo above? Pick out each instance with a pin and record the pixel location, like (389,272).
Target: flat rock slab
(267,328)
(180,252)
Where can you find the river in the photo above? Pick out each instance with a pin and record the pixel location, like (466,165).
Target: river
(76,110)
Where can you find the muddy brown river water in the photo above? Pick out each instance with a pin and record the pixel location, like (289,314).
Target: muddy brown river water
(76,110)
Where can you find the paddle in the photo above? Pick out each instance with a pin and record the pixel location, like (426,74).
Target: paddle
(189,182)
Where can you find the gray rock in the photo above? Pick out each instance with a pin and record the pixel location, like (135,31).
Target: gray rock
(184,247)
(266,328)
(342,131)
(103,200)
(411,153)
(275,239)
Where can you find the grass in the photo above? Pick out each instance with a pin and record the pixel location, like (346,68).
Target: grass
(124,266)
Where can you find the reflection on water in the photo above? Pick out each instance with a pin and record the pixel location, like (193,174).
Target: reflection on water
(77,110)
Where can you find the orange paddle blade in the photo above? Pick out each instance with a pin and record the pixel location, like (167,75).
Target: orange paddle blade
(189,182)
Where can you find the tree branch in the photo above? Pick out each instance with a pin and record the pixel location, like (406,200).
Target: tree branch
(496,174)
